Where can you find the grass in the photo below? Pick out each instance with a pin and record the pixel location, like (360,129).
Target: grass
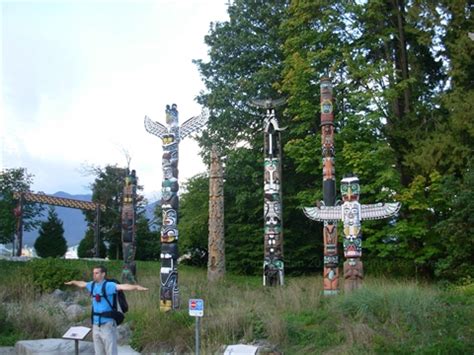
(385,316)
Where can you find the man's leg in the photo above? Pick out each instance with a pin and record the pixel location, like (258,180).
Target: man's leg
(109,337)
(99,346)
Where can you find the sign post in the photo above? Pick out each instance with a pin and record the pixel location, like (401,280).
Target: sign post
(76,334)
(196,309)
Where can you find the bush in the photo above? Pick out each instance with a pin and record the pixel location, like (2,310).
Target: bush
(8,335)
(49,274)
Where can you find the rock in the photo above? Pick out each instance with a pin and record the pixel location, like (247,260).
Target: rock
(266,348)
(74,311)
(123,334)
(61,347)
(7,350)
(59,295)
(52,347)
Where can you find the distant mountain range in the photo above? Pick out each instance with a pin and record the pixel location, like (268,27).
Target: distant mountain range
(73,220)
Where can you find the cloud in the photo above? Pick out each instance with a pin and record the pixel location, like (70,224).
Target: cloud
(82,75)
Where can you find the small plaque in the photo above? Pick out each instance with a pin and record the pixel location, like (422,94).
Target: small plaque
(77,333)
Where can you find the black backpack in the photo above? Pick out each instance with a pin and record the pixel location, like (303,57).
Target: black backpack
(117,313)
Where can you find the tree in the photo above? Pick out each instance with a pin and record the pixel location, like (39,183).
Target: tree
(148,242)
(107,189)
(86,247)
(15,180)
(245,61)
(51,241)
(193,219)
(403,91)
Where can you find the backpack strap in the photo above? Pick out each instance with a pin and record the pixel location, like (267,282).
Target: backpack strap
(104,295)
(92,303)
(114,301)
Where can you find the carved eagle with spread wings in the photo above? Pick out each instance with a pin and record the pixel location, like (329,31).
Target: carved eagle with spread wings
(189,126)
(334,213)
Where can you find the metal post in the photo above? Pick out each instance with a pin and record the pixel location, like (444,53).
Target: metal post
(198,340)
(76,346)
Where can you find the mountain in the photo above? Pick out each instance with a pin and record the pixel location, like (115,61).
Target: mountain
(73,220)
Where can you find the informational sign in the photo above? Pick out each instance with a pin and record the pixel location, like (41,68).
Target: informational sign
(76,333)
(196,307)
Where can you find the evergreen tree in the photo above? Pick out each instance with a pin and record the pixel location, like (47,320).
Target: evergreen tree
(194,218)
(86,247)
(107,189)
(403,89)
(148,242)
(51,241)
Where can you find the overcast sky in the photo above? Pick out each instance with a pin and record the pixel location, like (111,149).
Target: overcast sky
(79,76)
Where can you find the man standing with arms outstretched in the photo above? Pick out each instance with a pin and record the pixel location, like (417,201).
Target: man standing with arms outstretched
(104,328)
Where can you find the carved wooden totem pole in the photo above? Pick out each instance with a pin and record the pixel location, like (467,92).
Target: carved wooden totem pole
(273,264)
(351,213)
(171,135)
(129,213)
(331,259)
(216,247)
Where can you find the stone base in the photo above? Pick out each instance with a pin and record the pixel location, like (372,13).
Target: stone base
(61,347)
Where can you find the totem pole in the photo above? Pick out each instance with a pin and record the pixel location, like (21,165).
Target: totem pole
(351,212)
(171,136)
(273,264)
(216,247)
(331,259)
(18,241)
(129,214)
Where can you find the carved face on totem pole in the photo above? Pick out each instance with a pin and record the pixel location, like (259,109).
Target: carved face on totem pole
(351,216)
(350,189)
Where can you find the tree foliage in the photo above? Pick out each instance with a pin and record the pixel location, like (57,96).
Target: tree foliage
(16,180)
(403,89)
(86,248)
(148,242)
(51,241)
(107,189)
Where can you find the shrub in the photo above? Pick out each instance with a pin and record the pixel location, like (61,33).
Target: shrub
(8,335)
(49,274)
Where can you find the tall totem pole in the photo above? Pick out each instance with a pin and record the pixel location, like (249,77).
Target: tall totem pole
(331,259)
(216,243)
(171,135)
(351,213)
(273,264)
(129,214)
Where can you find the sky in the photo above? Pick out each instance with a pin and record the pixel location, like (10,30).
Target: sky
(78,76)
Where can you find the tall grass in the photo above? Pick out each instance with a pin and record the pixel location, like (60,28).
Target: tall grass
(385,316)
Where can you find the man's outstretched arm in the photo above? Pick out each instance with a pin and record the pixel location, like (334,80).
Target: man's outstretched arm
(129,287)
(80,284)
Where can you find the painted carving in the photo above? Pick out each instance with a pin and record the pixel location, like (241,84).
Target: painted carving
(171,135)
(129,213)
(273,264)
(351,213)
